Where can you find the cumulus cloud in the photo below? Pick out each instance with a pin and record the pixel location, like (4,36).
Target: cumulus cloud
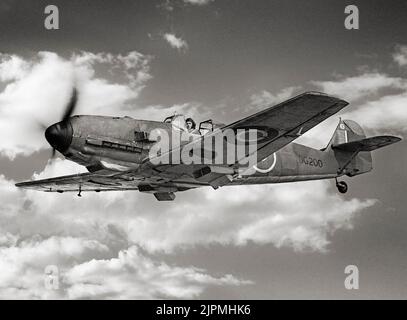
(378,104)
(387,114)
(262,214)
(94,257)
(85,269)
(13,68)
(22,265)
(259,214)
(195,110)
(361,86)
(264,99)
(282,215)
(400,56)
(176,42)
(103,245)
(143,279)
(96,241)
(37,89)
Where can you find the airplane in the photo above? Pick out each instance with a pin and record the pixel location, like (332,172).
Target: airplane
(117,150)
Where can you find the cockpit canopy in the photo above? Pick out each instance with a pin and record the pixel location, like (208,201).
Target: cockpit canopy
(178,123)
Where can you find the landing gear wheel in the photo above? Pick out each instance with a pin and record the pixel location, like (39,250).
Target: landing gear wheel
(342,186)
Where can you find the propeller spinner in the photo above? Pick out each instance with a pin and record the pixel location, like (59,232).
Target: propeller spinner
(59,135)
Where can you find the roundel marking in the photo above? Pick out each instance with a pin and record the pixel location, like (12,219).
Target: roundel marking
(263,133)
(268,169)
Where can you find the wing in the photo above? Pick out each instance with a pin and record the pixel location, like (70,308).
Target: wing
(279,125)
(163,189)
(290,119)
(84,181)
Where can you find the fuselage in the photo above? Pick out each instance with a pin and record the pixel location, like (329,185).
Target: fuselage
(122,143)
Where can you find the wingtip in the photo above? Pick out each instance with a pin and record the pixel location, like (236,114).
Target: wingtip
(396,139)
(22,184)
(318,93)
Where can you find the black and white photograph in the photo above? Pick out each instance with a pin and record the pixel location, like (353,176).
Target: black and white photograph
(203,150)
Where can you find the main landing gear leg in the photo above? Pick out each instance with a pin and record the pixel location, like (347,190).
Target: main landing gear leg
(80,191)
(341,185)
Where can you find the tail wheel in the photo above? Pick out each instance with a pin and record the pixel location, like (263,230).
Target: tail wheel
(342,186)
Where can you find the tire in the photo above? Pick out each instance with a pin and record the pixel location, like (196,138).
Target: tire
(342,187)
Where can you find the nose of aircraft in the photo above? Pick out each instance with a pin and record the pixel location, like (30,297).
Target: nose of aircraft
(59,135)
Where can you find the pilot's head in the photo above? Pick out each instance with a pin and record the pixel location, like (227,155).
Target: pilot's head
(190,124)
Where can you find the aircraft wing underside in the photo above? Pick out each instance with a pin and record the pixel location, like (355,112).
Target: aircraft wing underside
(113,182)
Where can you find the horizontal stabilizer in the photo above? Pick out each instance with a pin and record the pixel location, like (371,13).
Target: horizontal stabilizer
(367,144)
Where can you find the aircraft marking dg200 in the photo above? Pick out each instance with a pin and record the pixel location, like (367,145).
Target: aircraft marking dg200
(117,150)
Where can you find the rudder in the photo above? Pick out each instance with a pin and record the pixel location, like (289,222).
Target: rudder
(352,149)
(350,162)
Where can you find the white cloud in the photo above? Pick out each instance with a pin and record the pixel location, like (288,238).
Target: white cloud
(387,114)
(94,256)
(378,104)
(135,276)
(159,113)
(95,240)
(400,56)
(23,265)
(266,99)
(176,42)
(14,69)
(86,270)
(259,214)
(360,86)
(36,91)
(134,66)
(283,215)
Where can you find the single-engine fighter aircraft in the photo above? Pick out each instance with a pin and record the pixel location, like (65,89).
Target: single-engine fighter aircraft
(117,150)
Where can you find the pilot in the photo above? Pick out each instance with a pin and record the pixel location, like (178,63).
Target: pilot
(191,126)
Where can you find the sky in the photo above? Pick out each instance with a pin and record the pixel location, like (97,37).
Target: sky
(218,59)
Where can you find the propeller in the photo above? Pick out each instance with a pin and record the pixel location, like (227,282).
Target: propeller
(69,110)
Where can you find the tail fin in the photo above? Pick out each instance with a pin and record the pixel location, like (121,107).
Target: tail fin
(352,149)
(346,131)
